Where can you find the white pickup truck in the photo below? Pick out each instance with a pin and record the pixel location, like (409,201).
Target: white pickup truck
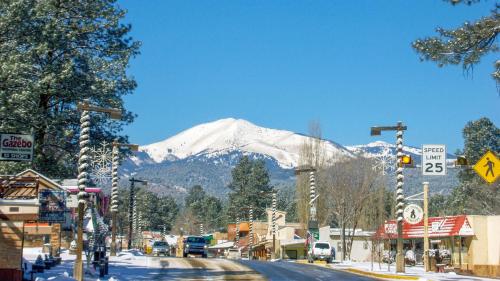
(320,251)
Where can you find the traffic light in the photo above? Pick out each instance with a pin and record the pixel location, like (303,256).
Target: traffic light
(461,161)
(406,160)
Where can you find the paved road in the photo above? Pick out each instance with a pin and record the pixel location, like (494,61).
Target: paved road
(204,269)
(289,271)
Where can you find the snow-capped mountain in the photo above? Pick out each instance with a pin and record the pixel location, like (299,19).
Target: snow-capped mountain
(207,153)
(225,136)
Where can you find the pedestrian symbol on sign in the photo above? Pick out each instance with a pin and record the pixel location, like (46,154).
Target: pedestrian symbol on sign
(490,167)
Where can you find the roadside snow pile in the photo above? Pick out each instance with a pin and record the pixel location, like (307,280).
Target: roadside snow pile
(64,277)
(128,255)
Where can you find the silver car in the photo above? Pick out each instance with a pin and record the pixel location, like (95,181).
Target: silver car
(161,247)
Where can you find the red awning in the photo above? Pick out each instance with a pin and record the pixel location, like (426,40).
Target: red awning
(438,227)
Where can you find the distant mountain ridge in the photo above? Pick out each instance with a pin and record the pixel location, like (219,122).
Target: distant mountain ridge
(205,154)
(228,135)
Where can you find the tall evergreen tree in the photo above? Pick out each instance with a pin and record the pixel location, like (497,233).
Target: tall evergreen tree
(156,211)
(250,180)
(206,209)
(54,54)
(473,195)
(465,45)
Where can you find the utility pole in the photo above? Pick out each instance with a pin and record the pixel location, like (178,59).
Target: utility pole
(313,229)
(250,222)
(399,128)
(83,165)
(237,232)
(426,227)
(134,223)
(114,189)
(273,253)
(131,209)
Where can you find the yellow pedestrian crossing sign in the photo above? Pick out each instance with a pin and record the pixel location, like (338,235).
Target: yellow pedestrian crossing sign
(488,167)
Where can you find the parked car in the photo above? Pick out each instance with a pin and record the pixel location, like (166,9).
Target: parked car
(320,251)
(161,247)
(195,245)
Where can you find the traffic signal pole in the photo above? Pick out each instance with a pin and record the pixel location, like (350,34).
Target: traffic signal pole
(400,204)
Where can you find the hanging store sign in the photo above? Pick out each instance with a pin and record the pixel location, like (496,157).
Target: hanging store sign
(16,147)
(52,206)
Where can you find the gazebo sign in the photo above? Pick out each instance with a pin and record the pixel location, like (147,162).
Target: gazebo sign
(16,147)
(52,206)
(413,214)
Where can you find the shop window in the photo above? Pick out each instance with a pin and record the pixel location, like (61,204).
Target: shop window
(291,254)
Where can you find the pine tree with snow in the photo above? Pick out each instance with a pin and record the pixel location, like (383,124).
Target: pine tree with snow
(465,45)
(54,54)
(473,195)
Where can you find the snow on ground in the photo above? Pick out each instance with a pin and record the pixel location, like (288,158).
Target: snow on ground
(126,266)
(410,270)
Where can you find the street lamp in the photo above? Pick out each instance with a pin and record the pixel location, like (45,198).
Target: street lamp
(114,189)
(83,165)
(313,221)
(399,128)
(131,208)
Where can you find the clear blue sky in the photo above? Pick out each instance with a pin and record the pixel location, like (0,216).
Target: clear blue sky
(280,64)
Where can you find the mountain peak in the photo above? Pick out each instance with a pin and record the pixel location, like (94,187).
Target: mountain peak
(228,135)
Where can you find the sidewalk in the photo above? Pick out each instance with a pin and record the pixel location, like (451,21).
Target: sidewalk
(412,272)
(127,265)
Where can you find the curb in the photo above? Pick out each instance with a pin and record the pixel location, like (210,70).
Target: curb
(381,275)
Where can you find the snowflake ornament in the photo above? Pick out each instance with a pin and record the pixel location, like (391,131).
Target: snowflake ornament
(385,162)
(101,162)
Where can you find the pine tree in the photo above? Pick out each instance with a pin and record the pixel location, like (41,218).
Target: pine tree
(156,211)
(54,54)
(207,209)
(473,195)
(465,45)
(250,182)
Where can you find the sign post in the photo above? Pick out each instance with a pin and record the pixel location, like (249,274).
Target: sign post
(434,160)
(426,227)
(16,147)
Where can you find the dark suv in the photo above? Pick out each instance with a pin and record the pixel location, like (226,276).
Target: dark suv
(195,245)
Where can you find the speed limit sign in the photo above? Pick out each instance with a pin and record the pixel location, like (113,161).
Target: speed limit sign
(434,160)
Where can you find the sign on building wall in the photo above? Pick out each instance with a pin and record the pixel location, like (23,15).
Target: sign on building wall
(16,147)
(52,206)
(72,201)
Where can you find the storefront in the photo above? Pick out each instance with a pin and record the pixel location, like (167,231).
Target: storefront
(449,237)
